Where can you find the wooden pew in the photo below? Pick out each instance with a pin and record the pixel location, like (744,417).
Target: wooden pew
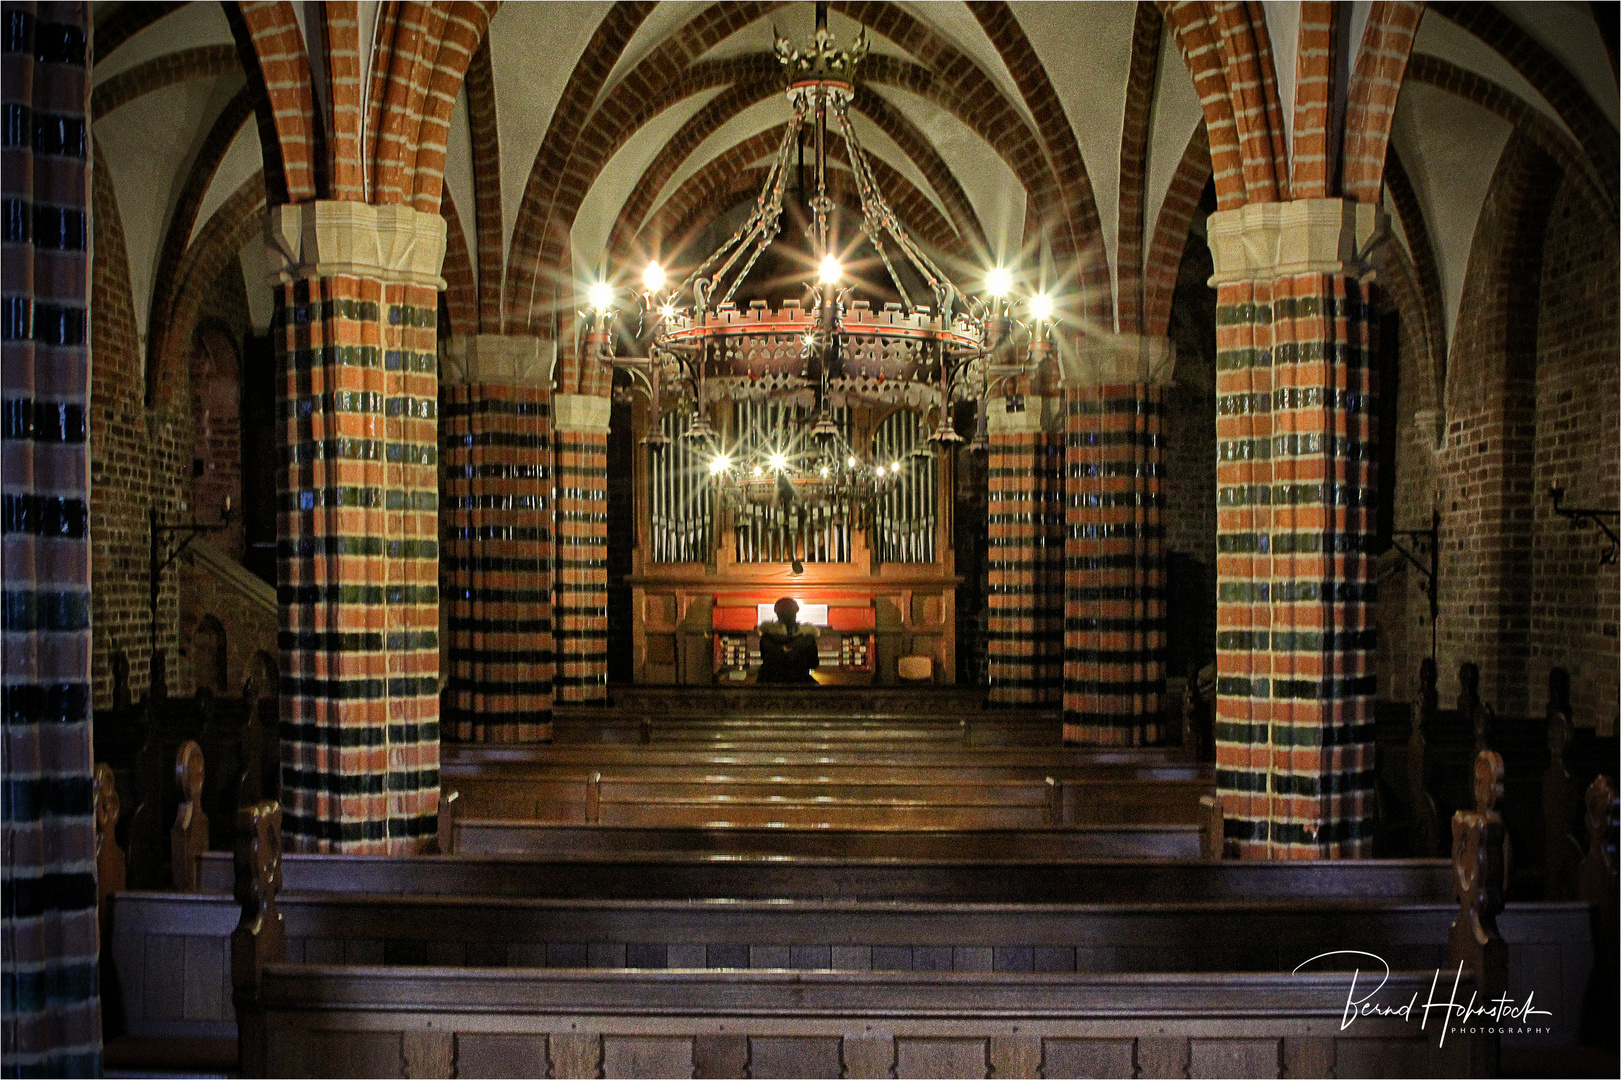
(171,957)
(960,879)
(538,839)
(369,1021)
(644,793)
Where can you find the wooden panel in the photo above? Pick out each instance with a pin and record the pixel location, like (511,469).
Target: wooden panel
(575,1055)
(206,963)
(1089,1057)
(869,1056)
(1235,1057)
(481,1055)
(1162,1056)
(722,1057)
(1015,1056)
(349,1053)
(646,1056)
(925,1058)
(164,977)
(787,1058)
(997,876)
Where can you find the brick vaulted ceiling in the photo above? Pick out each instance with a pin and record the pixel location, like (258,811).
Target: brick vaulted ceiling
(591,133)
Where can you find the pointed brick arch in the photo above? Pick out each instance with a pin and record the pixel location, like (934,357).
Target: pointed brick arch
(1171,234)
(733,177)
(1381,65)
(271,48)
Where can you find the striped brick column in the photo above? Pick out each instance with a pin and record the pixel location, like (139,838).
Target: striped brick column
(1016,558)
(358,522)
(1295,512)
(580,587)
(496,531)
(51,1023)
(1114,585)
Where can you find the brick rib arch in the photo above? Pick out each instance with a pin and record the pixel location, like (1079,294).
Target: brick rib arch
(1593,130)
(633,215)
(461,288)
(464,29)
(178,237)
(341,30)
(568,120)
(1317,44)
(1134,139)
(1381,65)
(1527,120)
(1421,255)
(239,219)
(205,62)
(271,48)
(1199,52)
(1171,233)
(1248,74)
(730,179)
(479,86)
(1082,242)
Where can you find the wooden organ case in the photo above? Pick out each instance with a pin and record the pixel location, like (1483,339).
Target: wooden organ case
(881,570)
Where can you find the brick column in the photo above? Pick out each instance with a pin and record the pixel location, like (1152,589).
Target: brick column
(51,1025)
(1114,583)
(580,611)
(358,558)
(1295,511)
(1017,613)
(496,528)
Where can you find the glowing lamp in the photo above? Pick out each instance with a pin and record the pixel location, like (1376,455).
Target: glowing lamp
(719,464)
(601,295)
(829,272)
(999,282)
(1041,306)
(653,277)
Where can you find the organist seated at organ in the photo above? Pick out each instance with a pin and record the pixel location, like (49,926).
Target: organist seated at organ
(788,648)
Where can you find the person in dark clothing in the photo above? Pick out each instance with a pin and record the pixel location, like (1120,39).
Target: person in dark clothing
(787,648)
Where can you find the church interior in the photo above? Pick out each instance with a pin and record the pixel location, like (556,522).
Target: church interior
(1187,432)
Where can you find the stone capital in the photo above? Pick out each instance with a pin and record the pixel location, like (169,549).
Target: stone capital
(1264,241)
(585,414)
(393,244)
(1119,360)
(1025,421)
(508,360)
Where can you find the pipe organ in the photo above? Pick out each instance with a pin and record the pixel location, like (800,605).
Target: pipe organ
(706,556)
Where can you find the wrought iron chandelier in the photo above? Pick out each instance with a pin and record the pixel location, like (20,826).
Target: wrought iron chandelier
(695,346)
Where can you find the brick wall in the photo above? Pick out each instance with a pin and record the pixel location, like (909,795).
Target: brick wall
(1574,600)
(1486,476)
(138,456)
(143,455)
(1404,614)
(1190,410)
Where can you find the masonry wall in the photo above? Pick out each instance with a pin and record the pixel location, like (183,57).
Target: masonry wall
(1530,400)
(180,452)
(138,458)
(1574,599)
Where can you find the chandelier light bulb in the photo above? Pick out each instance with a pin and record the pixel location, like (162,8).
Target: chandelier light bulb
(778,462)
(880,470)
(830,271)
(601,295)
(999,282)
(719,464)
(850,461)
(1041,306)
(667,312)
(759,471)
(653,277)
